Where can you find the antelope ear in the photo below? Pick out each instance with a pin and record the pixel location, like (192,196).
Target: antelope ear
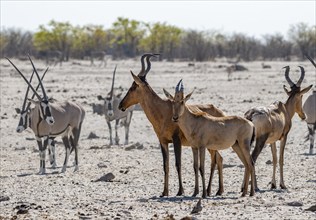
(303,91)
(168,95)
(18,110)
(33,101)
(100,97)
(286,90)
(188,96)
(137,80)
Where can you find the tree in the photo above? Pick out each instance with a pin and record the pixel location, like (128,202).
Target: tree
(304,37)
(162,38)
(57,36)
(126,36)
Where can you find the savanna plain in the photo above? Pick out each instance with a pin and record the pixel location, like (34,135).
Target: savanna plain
(134,190)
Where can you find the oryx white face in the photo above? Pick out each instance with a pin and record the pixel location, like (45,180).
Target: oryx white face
(108,104)
(23,123)
(46,112)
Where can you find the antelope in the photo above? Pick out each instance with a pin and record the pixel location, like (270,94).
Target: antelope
(111,112)
(54,56)
(265,66)
(159,111)
(100,55)
(24,121)
(230,70)
(273,123)
(309,108)
(204,131)
(49,119)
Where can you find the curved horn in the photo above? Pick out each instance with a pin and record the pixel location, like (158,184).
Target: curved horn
(26,93)
(179,87)
(112,87)
(42,87)
(142,71)
(299,82)
(37,95)
(287,71)
(148,61)
(38,85)
(310,59)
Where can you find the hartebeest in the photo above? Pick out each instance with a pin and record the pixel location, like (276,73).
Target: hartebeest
(65,120)
(204,131)
(159,112)
(309,108)
(274,122)
(111,112)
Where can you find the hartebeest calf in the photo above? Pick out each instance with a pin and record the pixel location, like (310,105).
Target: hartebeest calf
(204,131)
(49,119)
(274,122)
(159,112)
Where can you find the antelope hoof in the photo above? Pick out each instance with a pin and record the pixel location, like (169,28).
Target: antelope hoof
(164,194)
(252,193)
(180,192)
(204,195)
(243,194)
(273,186)
(63,169)
(283,186)
(42,171)
(311,151)
(54,166)
(126,143)
(76,168)
(219,193)
(195,194)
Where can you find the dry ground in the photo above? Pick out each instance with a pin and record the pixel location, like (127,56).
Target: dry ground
(134,192)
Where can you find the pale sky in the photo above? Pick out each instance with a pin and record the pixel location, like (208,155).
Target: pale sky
(254,18)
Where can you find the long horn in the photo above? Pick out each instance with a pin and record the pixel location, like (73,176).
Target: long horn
(287,71)
(142,73)
(26,94)
(148,62)
(310,59)
(299,82)
(43,89)
(112,88)
(37,95)
(38,85)
(179,87)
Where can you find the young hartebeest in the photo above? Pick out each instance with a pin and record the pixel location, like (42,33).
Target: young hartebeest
(204,131)
(159,112)
(67,119)
(273,123)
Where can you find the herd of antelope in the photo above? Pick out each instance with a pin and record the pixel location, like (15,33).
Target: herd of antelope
(201,126)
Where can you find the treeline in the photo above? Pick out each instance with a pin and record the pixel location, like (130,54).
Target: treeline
(130,38)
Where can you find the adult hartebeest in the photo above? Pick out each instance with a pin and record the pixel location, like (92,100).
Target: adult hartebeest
(159,112)
(274,122)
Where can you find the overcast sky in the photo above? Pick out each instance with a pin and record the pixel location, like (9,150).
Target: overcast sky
(254,18)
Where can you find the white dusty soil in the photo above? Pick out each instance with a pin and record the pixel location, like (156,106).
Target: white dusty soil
(138,170)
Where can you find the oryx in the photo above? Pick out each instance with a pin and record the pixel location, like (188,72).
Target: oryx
(49,119)
(111,112)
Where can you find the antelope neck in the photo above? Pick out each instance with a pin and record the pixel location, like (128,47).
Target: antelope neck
(154,107)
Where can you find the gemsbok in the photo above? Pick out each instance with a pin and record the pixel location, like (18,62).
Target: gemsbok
(159,112)
(274,122)
(49,119)
(24,121)
(309,108)
(111,112)
(98,55)
(204,131)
